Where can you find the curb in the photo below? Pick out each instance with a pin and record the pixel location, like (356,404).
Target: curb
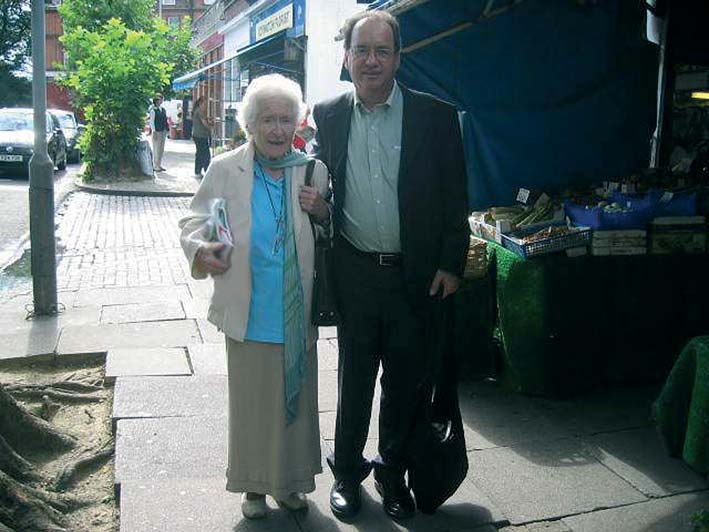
(12,254)
(94,189)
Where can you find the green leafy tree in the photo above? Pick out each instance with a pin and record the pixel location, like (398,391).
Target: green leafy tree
(119,55)
(93,14)
(117,73)
(15,49)
(15,23)
(177,49)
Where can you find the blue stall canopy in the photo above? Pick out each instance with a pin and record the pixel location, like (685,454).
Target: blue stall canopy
(245,55)
(187,81)
(554,92)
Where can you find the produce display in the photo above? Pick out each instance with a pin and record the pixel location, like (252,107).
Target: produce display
(610,218)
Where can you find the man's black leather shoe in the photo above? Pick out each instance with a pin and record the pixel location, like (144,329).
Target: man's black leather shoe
(397,501)
(345,499)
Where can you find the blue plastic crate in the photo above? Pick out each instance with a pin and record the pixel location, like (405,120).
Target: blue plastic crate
(597,218)
(580,237)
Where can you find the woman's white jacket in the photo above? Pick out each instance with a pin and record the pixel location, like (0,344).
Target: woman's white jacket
(231,176)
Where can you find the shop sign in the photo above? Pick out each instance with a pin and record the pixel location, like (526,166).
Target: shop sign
(279,21)
(288,15)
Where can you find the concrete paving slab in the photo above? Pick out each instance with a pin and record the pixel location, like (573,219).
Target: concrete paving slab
(493,417)
(208,359)
(327,391)
(209,333)
(128,295)
(327,354)
(670,514)
(142,362)
(170,448)
(138,312)
(546,480)
(40,339)
(468,509)
(136,397)
(603,411)
(95,338)
(14,318)
(193,505)
(639,456)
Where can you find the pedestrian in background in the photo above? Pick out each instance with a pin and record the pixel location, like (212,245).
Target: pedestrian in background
(401,238)
(262,297)
(158,130)
(201,133)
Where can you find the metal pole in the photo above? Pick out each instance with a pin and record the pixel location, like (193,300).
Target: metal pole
(665,89)
(44,260)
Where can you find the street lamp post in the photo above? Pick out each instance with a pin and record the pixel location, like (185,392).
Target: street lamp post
(41,195)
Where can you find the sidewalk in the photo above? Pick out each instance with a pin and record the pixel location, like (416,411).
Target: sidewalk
(591,464)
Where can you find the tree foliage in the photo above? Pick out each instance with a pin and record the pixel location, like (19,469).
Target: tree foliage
(117,71)
(120,55)
(15,91)
(15,23)
(92,15)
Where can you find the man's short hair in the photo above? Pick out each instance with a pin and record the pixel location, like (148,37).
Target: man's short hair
(384,16)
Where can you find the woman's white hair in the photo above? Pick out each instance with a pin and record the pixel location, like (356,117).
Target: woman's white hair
(269,86)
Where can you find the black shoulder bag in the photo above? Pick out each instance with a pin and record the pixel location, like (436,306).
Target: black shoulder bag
(324,312)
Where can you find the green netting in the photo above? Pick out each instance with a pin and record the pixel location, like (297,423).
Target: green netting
(682,409)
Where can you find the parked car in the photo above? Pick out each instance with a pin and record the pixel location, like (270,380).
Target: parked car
(17,139)
(72,130)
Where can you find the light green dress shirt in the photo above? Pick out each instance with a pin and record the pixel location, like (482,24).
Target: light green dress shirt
(371,210)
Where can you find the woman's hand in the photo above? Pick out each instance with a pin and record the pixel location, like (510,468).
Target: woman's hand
(212,258)
(313,203)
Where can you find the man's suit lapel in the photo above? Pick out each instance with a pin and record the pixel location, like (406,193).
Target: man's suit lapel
(412,132)
(342,116)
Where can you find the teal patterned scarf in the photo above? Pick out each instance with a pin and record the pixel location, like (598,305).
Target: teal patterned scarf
(294,360)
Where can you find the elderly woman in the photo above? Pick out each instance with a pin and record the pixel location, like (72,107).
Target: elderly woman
(262,296)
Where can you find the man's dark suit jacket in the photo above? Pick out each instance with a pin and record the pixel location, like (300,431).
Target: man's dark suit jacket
(432,186)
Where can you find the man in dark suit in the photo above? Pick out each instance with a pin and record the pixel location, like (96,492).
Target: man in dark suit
(401,237)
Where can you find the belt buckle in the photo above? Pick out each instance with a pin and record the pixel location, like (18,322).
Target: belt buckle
(386,259)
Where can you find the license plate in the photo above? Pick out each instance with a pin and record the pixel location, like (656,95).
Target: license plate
(11,158)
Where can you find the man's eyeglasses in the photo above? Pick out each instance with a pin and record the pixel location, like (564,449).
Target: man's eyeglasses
(381,53)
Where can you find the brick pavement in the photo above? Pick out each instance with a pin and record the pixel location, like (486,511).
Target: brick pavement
(119,241)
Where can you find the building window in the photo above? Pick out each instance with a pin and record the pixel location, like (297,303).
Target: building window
(209,2)
(53,3)
(173,21)
(168,2)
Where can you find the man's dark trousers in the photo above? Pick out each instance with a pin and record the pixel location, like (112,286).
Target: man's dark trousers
(378,324)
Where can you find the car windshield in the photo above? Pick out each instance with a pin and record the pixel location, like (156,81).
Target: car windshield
(16,122)
(66,121)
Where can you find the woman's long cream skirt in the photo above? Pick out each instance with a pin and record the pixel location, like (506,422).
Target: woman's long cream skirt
(265,455)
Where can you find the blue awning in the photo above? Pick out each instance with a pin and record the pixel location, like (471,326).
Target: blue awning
(245,54)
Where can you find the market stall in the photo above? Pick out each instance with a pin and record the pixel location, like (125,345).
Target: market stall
(602,278)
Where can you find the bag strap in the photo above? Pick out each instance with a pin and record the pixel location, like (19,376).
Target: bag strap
(309,183)
(309,173)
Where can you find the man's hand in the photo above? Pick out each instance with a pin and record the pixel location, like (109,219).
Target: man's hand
(313,203)
(208,258)
(448,281)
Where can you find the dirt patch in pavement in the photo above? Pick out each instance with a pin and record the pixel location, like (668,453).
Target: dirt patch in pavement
(66,482)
